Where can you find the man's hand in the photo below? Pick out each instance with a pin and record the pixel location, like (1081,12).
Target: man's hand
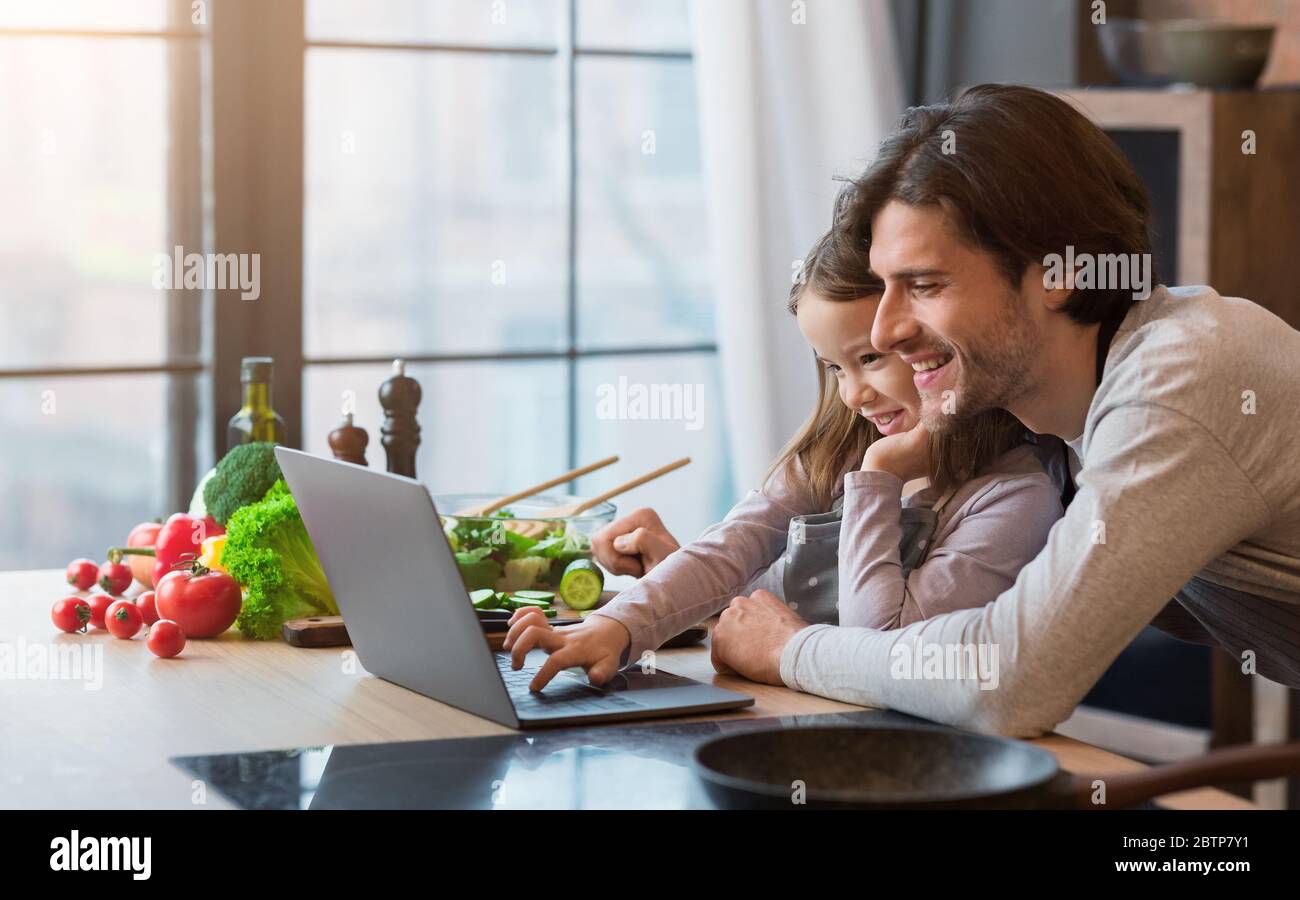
(750,635)
(905,455)
(634,544)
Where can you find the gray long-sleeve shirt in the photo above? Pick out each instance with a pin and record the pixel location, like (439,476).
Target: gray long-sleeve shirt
(1190,467)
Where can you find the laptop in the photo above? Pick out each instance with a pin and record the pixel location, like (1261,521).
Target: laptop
(395,578)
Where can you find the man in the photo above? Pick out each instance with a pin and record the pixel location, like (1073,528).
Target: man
(1181,409)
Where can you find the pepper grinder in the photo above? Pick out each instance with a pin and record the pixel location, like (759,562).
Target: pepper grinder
(348,442)
(400,433)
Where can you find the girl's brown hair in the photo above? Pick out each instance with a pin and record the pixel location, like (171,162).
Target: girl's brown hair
(836,269)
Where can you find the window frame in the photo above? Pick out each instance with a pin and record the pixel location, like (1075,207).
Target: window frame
(235,182)
(184,360)
(567,51)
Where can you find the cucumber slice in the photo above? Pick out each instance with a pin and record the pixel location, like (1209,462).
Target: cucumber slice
(548,596)
(581,585)
(550,613)
(525,601)
(485,598)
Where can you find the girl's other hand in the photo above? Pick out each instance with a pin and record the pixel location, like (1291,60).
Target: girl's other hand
(905,456)
(597,645)
(634,544)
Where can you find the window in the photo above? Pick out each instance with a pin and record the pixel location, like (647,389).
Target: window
(508,195)
(103,385)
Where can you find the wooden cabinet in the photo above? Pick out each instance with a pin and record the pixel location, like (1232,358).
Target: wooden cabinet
(1235,214)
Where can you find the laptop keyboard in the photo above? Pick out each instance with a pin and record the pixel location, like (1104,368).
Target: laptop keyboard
(563,692)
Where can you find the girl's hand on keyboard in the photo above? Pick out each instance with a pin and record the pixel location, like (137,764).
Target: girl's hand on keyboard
(597,645)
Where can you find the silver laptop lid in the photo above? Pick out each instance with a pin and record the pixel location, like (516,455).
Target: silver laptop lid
(381,544)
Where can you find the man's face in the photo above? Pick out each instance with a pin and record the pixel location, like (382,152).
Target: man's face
(971,338)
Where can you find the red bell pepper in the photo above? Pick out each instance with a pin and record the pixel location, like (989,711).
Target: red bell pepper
(179,542)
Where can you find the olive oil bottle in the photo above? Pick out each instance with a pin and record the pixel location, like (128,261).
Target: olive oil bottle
(256,420)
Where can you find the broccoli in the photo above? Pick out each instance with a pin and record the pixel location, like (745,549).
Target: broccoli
(270,554)
(243,476)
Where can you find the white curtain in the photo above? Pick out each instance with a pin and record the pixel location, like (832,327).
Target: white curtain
(790,95)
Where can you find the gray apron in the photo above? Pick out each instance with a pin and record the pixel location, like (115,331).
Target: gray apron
(809,569)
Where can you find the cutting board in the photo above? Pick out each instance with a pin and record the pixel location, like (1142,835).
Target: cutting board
(329,631)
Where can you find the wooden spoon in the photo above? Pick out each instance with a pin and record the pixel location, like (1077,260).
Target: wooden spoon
(487,509)
(534,528)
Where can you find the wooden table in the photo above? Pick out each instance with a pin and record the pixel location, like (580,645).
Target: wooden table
(67,746)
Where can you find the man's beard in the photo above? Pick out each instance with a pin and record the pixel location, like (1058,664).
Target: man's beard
(992,374)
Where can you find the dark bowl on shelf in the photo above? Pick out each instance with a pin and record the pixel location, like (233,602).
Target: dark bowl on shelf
(1216,54)
(1134,51)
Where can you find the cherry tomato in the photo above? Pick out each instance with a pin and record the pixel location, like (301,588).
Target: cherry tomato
(123,619)
(204,602)
(99,604)
(166,639)
(82,573)
(114,577)
(148,607)
(70,614)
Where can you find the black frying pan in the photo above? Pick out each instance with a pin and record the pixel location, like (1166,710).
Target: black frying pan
(920,767)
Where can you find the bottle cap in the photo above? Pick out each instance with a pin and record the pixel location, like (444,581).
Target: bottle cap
(256,369)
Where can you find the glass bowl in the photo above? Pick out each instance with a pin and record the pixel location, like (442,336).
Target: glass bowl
(490,555)
(530,510)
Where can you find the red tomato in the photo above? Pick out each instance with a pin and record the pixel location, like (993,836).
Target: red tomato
(82,573)
(143,535)
(165,639)
(114,578)
(148,607)
(99,604)
(203,604)
(123,619)
(70,614)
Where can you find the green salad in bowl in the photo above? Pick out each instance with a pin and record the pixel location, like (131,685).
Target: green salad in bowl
(491,555)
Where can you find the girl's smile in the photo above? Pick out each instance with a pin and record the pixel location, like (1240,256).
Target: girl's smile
(891,422)
(877,386)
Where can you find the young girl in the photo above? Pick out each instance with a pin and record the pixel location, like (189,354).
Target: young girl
(839,530)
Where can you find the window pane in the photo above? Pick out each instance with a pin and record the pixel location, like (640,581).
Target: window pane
(651,410)
(634,24)
(84,460)
(83,173)
(474,22)
(85,15)
(484,427)
(435,205)
(643,260)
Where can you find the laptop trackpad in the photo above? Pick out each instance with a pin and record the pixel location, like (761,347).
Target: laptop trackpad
(632,678)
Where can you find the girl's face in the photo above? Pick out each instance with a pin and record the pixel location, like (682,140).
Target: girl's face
(876,386)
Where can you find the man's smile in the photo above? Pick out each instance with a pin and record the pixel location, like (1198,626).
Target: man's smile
(928,368)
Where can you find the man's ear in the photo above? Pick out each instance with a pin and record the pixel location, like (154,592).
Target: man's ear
(1048,286)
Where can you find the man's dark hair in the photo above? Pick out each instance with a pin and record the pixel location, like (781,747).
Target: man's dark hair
(1025,175)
